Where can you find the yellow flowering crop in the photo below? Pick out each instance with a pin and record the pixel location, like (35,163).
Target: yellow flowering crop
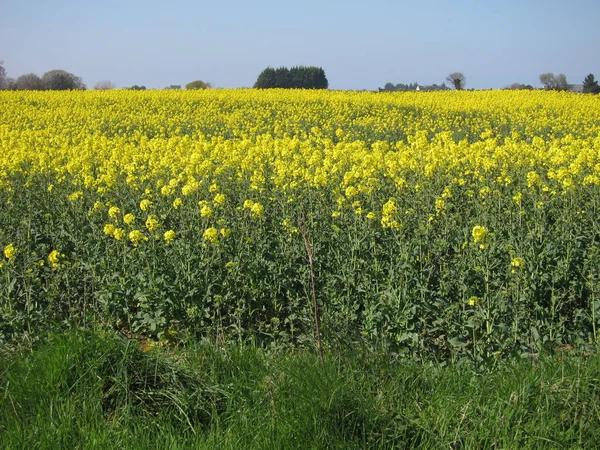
(392,191)
(10,251)
(211,235)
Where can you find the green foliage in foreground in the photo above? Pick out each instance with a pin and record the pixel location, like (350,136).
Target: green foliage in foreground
(102,391)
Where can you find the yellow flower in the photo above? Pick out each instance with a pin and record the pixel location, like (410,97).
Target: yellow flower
(390,207)
(257,209)
(211,235)
(10,251)
(54,258)
(169,236)
(206,211)
(518,262)
(75,196)
(136,236)
(145,205)
(440,205)
(225,232)
(474,301)
(119,234)
(152,223)
(371,216)
(479,233)
(98,206)
(177,202)
(109,229)
(129,218)
(219,199)
(113,212)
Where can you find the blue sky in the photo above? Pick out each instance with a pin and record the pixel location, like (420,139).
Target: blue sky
(361,45)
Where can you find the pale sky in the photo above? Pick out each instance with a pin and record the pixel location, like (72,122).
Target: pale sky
(361,45)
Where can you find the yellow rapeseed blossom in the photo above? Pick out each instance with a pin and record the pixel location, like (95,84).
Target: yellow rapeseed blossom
(119,234)
(211,235)
(109,229)
(169,236)
(479,233)
(54,258)
(177,202)
(152,223)
(219,199)
(113,212)
(136,236)
(145,204)
(474,301)
(10,251)
(129,219)
(206,211)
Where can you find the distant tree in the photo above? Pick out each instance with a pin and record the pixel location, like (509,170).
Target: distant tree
(457,79)
(561,81)
(554,83)
(3,80)
(413,87)
(29,82)
(590,85)
(60,80)
(520,86)
(104,85)
(198,84)
(135,87)
(299,77)
(548,80)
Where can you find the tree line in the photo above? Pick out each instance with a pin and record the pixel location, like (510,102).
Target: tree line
(299,77)
(58,80)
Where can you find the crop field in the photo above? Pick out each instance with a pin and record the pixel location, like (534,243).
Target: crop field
(452,225)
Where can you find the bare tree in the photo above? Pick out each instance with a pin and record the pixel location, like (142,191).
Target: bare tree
(29,82)
(104,85)
(554,83)
(457,79)
(3,80)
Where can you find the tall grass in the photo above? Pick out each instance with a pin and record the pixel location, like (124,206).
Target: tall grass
(102,391)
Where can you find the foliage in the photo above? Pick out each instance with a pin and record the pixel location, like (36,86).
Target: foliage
(295,78)
(135,87)
(457,79)
(413,87)
(590,85)
(60,80)
(29,82)
(98,391)
(520,87)
(446,226)
(198,84)
(554,83)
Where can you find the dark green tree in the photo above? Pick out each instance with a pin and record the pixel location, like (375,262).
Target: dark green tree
(590,85)
(298,77)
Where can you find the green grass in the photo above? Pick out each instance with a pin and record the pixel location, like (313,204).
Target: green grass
(99,390)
